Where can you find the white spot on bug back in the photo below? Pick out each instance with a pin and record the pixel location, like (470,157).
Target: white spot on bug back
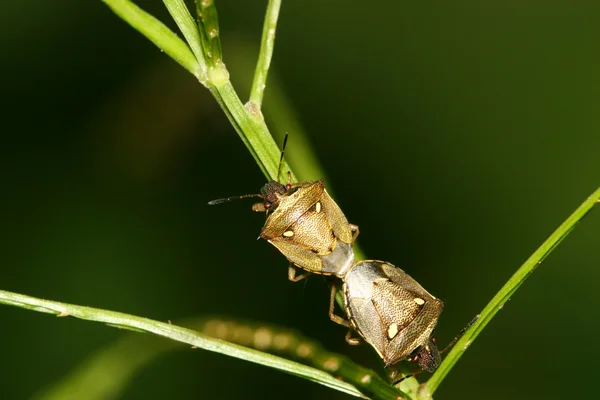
(419,301)
(288,233)
(392,331)
(318,207)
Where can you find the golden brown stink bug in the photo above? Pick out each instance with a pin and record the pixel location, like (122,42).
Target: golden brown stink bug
(305,225)
(311,231)
(392,312)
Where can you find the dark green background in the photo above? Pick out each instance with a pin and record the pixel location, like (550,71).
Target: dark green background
(457,136)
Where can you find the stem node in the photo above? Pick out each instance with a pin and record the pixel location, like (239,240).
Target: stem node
(254,110)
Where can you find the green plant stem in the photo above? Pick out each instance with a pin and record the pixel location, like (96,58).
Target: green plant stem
(187,26)
(507,291)
(176,333)
(247,122)
(158,34)
(266,52)
(253,132)
(208,21)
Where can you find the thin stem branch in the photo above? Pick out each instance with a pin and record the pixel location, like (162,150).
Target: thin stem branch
(253,132)
(187,26)
(507,291)
(246,120)
(266,52)
(179,334)
(208,21)
(158,34)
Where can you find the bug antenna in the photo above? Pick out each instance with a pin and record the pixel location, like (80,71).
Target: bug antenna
(460,334)
(285,138)
(228,199)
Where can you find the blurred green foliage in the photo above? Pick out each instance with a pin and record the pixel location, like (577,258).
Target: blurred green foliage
(458,136)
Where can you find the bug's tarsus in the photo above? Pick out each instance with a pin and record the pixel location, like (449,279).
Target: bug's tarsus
(351,339)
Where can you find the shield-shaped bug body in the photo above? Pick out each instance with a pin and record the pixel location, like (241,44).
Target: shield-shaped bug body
(393,313)
(309,229)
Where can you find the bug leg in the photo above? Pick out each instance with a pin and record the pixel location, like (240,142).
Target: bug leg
(336,318)
(292,274)
(355,231)
(352,341)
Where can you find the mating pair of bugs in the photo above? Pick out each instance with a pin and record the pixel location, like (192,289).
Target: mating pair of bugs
(388,308)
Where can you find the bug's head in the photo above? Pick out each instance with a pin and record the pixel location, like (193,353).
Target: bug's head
(271,192)
(428,357)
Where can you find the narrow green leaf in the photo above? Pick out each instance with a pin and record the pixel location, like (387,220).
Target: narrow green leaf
(179,334)
(507,291)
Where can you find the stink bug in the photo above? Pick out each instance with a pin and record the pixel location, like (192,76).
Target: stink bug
(311,231)
(392,312)
(305,225)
